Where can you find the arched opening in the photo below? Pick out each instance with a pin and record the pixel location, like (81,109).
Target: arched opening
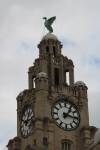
(54,52)
(47,49)
(45,128)
(33,84)
(67,77)
(35,142)
(56,76)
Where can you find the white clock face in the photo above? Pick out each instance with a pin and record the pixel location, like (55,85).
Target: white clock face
(65,115)
(25,121)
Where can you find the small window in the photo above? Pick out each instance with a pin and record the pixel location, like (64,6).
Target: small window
(35,142)
(75,93)
(83,92)
(66,145)
(45,142)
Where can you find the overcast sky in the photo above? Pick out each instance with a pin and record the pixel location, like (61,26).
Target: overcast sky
(77,26)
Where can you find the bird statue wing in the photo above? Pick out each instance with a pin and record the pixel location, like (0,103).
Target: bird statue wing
(51,20)
(50,29)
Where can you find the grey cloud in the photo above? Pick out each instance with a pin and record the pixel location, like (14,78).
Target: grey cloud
(21,22)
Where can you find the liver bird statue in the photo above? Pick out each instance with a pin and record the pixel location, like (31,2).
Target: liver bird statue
(48,23)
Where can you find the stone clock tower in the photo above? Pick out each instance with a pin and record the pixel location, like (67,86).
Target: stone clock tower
(52,114)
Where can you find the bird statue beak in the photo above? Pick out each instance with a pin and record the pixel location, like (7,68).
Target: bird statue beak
(44,18)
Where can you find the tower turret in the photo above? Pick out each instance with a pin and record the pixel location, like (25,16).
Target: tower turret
(51,61)
(42,81)
(80,89)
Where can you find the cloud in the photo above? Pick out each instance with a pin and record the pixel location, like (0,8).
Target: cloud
(94,102)
(21,29)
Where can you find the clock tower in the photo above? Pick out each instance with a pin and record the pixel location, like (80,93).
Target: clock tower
(52,114)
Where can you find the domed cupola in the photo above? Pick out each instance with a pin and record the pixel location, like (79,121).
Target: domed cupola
(41,75)
(42,81)
(49,36)
(80,89)
(79,83)
(50,44)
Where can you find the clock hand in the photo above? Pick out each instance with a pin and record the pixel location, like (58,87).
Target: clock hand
(72,116)
(69,109)
(28,121)
(66,114)
(25,122)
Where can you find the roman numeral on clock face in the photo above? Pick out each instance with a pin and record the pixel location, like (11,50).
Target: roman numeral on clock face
(66,126)
(60,123)
(74,121)
(57,108)
(60,105)
(55,113)
(71,125)
(74,111)
(56,118)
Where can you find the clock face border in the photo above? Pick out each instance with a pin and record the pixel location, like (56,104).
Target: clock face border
(63,108)
(25,119)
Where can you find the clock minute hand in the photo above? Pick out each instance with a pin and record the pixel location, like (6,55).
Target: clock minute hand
(72,116)
(69,110)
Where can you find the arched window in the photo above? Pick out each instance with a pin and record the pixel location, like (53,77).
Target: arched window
(56,76)
(45,142)
(47,49)
(33,85)
(54,52)
(65,145)
(67,77)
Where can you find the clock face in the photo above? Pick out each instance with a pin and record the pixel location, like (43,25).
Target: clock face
(65,115)
(25,121)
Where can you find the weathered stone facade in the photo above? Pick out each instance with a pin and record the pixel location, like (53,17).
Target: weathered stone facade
(48,83)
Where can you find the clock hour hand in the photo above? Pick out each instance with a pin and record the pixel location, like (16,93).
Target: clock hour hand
(66,114)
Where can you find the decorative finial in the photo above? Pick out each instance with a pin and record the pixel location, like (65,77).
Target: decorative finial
(48,23)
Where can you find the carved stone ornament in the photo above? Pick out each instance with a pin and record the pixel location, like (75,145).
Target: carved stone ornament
(19,113)
(51,98)
(61,96)
(80,105)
